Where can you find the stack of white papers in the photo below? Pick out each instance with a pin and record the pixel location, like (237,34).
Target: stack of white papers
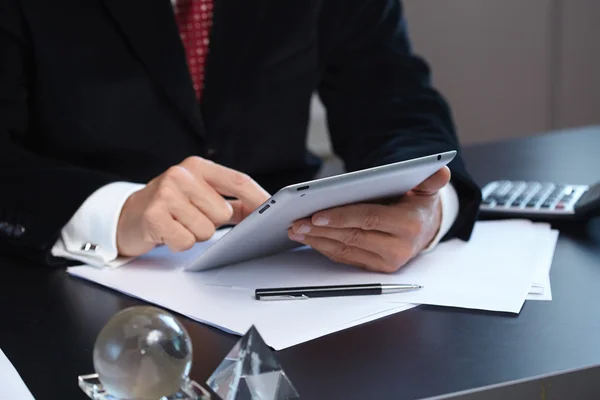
(11,384)
(503,264)
(540,286)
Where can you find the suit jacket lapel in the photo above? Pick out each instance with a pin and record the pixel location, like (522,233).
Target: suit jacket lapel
(235,23)
(150,28)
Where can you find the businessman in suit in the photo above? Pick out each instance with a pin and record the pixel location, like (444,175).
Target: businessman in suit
(127,124)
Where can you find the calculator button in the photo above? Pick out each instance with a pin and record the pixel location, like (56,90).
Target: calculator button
(500,199)
(547,204)
(488,201)
(533,202)
(560,206)
(503,189)
(555,193)
(528,192)
(566,198)
(547,190)
(518,201)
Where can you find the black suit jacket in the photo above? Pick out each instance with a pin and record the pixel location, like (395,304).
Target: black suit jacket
(96,91)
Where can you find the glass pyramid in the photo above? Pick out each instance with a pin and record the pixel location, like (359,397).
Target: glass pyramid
(251,372)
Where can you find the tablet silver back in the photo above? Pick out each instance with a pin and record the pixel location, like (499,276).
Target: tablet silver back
(265,231)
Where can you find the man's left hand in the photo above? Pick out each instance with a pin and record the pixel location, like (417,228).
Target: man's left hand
(377,237)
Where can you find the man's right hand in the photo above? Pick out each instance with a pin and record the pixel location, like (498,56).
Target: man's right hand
(185,205)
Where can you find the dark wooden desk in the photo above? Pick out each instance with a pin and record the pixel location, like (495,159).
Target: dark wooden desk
(49,321)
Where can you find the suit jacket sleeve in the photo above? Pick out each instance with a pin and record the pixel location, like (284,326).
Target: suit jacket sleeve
(38,194)
(381,106)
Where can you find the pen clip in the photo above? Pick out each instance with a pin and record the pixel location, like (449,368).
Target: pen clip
(284,297)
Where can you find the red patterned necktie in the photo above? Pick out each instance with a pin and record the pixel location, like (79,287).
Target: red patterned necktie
(194,18)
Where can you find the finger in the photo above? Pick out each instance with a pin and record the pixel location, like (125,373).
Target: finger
(192,219)
(210,203)
(179,183)
(339,252)
(397,251)
(434,183)
(368,217)
(177,237)
(227,181)
(298,223)
(240,211)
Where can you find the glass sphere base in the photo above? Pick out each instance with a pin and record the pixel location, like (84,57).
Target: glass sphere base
(145,353)
(190,390)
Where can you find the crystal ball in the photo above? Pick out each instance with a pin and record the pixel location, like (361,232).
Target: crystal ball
(142,353)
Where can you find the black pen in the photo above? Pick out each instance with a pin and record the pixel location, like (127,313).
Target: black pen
(306,292)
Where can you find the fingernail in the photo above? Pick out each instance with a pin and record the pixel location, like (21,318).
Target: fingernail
(297,238)
(322,221)
(304,228)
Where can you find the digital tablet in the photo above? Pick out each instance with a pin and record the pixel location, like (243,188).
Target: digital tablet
(265,231)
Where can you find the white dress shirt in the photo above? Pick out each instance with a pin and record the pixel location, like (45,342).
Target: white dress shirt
(90,236)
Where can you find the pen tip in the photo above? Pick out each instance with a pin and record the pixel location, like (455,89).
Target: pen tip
(420,286)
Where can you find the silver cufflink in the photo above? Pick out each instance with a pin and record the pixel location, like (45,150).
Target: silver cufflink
(90,247)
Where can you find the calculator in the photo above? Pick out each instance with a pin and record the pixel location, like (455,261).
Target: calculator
(539,200)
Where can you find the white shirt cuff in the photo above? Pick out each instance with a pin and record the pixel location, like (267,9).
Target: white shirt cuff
(90,236)
(450,207)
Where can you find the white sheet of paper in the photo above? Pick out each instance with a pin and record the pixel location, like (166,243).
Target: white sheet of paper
(494,271)
(547,241)
(397,308)
(546,296)
(536,290)
(11,384)
(540,289)
(157,278)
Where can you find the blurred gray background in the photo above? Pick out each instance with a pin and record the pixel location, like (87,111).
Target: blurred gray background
(509,68)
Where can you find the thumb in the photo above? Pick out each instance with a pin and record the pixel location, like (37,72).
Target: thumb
(434,183)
